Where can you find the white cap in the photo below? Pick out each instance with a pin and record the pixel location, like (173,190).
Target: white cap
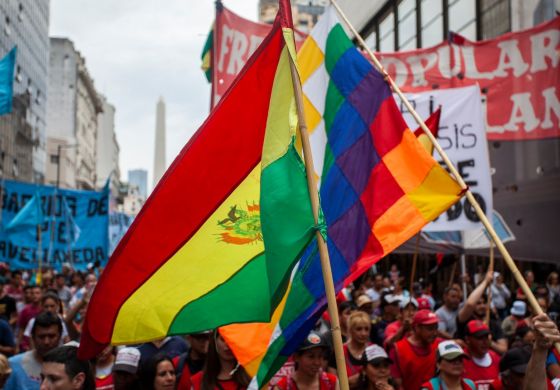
(374,352)
(449,350)
(127,360)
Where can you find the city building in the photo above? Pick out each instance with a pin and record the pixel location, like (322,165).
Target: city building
(132,202)
(139,178)
(304,12)
(25,24)
(73,109)
(107,154)
(159,155)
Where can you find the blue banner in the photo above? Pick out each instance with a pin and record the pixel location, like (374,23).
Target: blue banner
(75,227)
(7,65)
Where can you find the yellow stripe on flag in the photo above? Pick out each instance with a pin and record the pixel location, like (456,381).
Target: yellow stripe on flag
(185,277)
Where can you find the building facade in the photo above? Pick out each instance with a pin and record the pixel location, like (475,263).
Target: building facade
(304,12)
(107,147)
(25,24)
(72,121)
(139,178)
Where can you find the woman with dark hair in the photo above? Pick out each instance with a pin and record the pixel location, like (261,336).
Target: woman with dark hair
(221,371)
(309,374)
(158,373)
(50,302)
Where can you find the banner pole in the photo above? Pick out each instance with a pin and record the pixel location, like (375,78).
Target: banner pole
(39,278)
(478,210)
(322,245)
(414,262)
(489,294)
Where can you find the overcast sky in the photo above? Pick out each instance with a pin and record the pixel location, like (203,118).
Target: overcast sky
(138,50)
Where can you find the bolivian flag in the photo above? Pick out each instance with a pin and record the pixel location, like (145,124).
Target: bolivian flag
(218,237)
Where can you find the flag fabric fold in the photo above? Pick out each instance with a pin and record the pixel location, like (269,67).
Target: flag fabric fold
(29,216)
(7,65)
(216,241)
(378,188)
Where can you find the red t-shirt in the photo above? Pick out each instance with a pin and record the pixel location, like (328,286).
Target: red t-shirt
(326,382)
(105,383)
(414,365)
(483,376)
(230,384)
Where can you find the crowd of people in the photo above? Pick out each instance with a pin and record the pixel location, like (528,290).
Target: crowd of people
(393,338)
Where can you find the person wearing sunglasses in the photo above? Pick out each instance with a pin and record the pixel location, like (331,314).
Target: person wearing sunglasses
(450,369)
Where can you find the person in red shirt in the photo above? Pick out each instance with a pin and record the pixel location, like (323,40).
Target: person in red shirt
(402,327)
(222,371)
(189,363)
(308,372)
(484,365)
(414,357)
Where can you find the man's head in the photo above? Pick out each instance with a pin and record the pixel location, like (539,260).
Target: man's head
(477,338)
(390,306)
(60,280)
(409,307)
(36,295)
(62,370)
(451,298)
(425,325)
(199,344)
(125,369)
(378,282)
(512,367)
(46,332)
(481,307)
(365,304)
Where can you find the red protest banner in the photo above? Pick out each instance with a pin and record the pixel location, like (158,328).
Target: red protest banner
(519,73)
(235,39)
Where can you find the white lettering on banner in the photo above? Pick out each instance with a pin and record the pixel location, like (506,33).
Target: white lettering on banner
(510,58)
(419,65)
(401,70)
(461,135)
(444,63)
(519,74)
(238,50)
(543,46)
(227,35)
(551,103)
(255,42)
(522,112)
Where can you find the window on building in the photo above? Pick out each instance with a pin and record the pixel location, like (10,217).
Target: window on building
(462,18)
(54,159)
(431,12)
(387,33)
(495,18)
(407,24)
(371,41)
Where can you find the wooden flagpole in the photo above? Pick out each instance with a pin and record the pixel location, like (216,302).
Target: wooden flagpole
(414,262)
(489,228)
(489,294)
(323,250)
(39,278)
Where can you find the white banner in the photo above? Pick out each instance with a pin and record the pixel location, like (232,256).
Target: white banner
(463,137)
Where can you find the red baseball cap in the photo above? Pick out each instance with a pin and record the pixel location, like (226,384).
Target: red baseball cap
(423,303)
(425,317)
(477,328)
